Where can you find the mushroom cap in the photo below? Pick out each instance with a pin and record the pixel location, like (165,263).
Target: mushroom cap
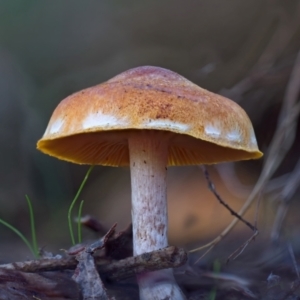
(92,126)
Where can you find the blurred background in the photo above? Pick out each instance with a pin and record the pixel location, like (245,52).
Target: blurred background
(246,50)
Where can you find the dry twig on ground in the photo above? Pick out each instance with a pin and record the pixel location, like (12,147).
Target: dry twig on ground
(170,257)
(88,261)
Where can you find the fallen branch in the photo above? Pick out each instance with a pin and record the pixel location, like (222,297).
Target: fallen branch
(170,257)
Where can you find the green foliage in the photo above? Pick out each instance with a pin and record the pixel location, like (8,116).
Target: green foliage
(32,247)
(79,223)
(72,206)
(32,226)
(216,269)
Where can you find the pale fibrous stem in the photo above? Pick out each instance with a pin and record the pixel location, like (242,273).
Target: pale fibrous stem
(148,152)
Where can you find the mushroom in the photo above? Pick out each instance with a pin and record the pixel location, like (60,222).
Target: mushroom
(149,118)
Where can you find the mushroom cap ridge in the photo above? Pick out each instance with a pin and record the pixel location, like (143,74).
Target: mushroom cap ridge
(92,126)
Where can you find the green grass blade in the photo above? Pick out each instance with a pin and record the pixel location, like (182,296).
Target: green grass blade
(216,270)
(79,222)
(32,226)
(74,201)
(17,232)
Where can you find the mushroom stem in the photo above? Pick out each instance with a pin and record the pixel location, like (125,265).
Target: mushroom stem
(148,165)
(148,151)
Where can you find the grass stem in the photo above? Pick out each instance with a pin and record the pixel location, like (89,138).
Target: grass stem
(79,222)
(32,226)
(74,201)
(22,237)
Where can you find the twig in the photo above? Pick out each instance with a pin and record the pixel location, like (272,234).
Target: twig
(103,241)
(235,214)
(93,224)
(198,249)
(279,146)
(292,184)
(212,188)
(280,216)
(257,210)
(170,257)
(285,196)
(276,183)
(241,249)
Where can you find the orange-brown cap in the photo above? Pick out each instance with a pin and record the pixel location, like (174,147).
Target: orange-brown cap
(92,126)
